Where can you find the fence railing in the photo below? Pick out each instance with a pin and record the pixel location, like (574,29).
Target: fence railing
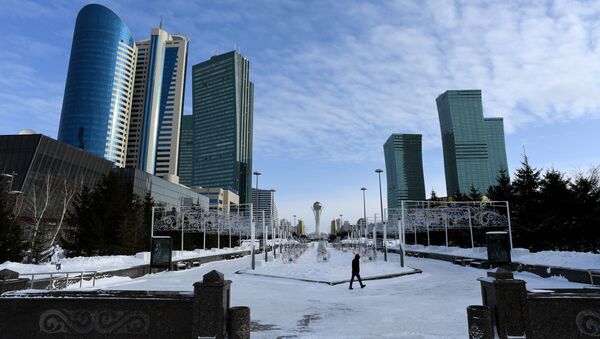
(62,276)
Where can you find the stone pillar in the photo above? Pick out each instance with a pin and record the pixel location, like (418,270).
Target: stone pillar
(211,303)
(239,323)
(480,322)
(9,281)
(507,299)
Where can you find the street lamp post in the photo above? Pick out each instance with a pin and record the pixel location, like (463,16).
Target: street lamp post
(257,174)
(364,189)
(273,224)
(383,223)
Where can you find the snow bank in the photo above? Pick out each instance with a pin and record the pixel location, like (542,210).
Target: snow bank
(106,263)
(578,260)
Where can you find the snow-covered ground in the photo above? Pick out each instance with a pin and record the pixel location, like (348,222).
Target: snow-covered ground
(580,260)
(106,263)
(336,269)
(428,305)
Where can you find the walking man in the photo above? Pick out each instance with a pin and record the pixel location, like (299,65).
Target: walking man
(356,272)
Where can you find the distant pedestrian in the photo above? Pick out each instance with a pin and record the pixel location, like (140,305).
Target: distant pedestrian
(356,271)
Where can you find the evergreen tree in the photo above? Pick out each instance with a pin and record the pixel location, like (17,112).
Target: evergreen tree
(434,196)
(11,247)
(556,201)
(474,194)
(84,236)
(458,196)
(525,203)
(586,212)
(502,191)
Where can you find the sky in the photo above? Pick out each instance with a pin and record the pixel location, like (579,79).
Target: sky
(333,79)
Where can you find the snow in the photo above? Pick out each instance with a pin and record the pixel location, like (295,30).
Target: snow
(336,269)
(576,260)
(106,263)
(428,305)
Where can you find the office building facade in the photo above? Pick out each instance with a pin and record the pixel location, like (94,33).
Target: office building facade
(223,99)
(494,132)
(186,150)
(98,92)
(223,201)
(465,142)
(163,192)
(404,168)
(264,201)
(157,110)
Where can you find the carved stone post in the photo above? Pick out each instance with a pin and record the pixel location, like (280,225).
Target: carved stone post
(239,322)
(211,303)
(507,299)
(9,281)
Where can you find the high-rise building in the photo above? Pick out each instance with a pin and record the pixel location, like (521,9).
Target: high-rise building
(263,200)
(494,131)
(97,101)
(186,150)
(153,144)
(223,99)
(300,228)
(404,168)
(465,142)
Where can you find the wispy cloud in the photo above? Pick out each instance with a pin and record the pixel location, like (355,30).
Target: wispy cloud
(340,99)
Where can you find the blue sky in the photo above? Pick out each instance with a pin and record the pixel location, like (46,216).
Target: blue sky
(334,78)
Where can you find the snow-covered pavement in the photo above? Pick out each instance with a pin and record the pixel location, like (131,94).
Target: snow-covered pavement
(335,270)
(428,305)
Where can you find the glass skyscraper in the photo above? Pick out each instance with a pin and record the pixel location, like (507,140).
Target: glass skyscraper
(186,150)
(404,168)
(494,132)
(223,99)
(158,104)
(465,142)
(99,87)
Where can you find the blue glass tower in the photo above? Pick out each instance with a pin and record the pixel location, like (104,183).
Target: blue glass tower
(98,91)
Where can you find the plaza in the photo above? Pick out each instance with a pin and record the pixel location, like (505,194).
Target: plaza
(430,304)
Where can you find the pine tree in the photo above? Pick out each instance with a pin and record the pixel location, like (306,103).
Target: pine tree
(586,212)
(556,201)
(502,191)
(11,247)
(434,196)
(474,194)
(525,204)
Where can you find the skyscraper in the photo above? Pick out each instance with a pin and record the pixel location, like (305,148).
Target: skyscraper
(223,100)
(263,200)
(404,169)
(186,150)
(99,87)
(153,144)
(494,131)
(465,142)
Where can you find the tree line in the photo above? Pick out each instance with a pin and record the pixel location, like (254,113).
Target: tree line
(549,209)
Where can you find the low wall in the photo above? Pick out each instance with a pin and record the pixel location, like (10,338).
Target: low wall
(122,314)
(512,311)
(571,274)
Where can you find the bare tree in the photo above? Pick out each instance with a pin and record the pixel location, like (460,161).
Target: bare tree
(37,205)
(68,191)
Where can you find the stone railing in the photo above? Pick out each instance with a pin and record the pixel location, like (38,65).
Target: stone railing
(510,311)
(126,314)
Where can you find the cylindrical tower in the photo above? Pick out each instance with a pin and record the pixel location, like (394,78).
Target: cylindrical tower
(99,87)
(317,207)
